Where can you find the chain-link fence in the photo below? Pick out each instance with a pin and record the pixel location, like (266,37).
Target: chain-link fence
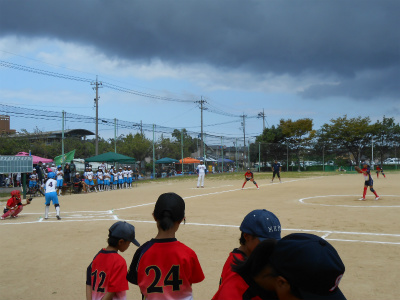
(319,157)
(48,133)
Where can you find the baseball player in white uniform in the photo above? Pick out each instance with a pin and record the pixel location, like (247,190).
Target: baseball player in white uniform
(201,171)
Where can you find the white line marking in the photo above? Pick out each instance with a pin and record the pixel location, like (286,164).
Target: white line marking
(343,205)
(212,187)
(358,241)
(325,235)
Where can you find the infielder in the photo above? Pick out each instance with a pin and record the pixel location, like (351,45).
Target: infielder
(51,196)
(379,169)
(249,176)
(201,171)
(276,169)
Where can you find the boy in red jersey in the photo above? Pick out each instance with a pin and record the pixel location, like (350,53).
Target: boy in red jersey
(249,176)
(14,205)
(106,275)
(163,267)
(366,171)
(257,226)
(299,266)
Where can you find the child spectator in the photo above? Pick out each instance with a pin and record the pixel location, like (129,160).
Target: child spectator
(106,274)
(163,267)
(257,226)
(299,266)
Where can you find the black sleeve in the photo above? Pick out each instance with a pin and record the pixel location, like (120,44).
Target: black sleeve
(88,275)
(132,271)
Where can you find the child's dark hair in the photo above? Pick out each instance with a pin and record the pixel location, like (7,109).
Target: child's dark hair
(169,208)
(166,221)
(257,261)
(242,240)
(113,241)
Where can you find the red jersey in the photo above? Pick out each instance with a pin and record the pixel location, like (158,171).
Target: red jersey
(107,273)
(165,269)
(237,287)
(227,268)
(12,202)
(248,174)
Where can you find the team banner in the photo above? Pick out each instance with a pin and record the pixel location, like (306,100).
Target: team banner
(67,158)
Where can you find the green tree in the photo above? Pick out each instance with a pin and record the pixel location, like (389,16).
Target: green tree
(386,135)
(353,134)
(269,144)
(189,143)
(137,146)
(298,135)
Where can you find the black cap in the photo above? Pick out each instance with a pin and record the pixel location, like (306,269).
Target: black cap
(310,264)
(171,202)
(125,231)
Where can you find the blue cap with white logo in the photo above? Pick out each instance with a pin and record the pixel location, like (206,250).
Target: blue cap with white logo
(262,224)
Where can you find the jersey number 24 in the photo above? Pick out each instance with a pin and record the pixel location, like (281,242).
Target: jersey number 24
(171,279)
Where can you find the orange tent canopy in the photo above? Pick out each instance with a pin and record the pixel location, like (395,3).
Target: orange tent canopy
(189,160)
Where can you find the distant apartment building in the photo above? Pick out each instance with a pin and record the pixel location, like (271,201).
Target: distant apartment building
(5,125)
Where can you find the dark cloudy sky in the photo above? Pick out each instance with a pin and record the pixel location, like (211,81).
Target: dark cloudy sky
(296,59)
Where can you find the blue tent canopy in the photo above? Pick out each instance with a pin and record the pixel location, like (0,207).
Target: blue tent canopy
(166,160)
(226,160)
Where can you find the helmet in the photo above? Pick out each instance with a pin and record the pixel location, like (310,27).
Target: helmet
(15,193)
(51,175)
(59,166)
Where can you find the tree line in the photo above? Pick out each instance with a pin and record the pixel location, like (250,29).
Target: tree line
(340,137)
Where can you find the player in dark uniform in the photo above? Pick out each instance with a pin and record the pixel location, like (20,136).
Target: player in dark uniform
(276,169)
(379,169)
(163,267)
(249,176)
(366,171)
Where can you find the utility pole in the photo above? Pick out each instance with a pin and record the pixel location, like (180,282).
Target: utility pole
(201,137)
(141,128)
(244,135)
(115,135)
(262,115)
(96,103)
(62,140)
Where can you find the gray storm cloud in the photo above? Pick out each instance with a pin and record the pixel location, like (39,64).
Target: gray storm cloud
(355,42)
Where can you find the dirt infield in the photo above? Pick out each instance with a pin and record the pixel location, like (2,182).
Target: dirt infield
(47,259)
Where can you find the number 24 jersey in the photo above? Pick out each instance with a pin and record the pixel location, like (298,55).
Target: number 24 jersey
(165,269)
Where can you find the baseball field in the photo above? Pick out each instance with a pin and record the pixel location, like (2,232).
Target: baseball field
(47,259)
